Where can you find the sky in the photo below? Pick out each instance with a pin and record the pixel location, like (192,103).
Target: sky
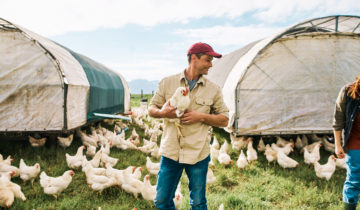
(149,39)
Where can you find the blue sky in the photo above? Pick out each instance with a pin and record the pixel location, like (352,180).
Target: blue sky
(148,39)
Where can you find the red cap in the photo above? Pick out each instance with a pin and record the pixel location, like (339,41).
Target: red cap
(203,48)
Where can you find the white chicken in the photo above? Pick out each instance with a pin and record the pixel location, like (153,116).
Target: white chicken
(221,207)
(153,168)
(341,163)
(65,141)
(215,143)
(34,142)
(147,148)
(119,174)
(326,170)
(6,197)
(87,168)
(90,151)
(285,161)
(214,153)
(106,149)
(4,167)
(210,177)
(8,191)
(181,101)
(315,138)
(305,140)
(281,142)
(28,172)
(95,161)
(261,146)
(134,134)
(224,159)
(242,161)
(137,173)
(155,152)
(136,142)
(285,149)
(178,197)
(313,156)
(74,162)
(131,185)
(238,143)
(55,185)
(225,147)
(6,176)
(148,191)
(7,161)
(270,154)
(97,181)
(251,152)
(310,147)
(107,159)
(85,139)
(298,143)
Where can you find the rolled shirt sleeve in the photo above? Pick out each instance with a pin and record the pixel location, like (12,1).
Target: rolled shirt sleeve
(219,107)
(159,98)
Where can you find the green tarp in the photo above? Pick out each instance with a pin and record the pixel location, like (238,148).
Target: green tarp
(106,88)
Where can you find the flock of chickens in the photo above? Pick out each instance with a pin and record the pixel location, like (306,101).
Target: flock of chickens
(279,152)
(101,172)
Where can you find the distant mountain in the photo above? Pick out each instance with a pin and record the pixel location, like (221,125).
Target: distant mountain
(141,84)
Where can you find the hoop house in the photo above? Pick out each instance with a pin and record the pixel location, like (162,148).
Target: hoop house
(288,83)
(47,87)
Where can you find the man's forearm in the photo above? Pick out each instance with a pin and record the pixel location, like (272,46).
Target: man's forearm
(155,112)
(217,120)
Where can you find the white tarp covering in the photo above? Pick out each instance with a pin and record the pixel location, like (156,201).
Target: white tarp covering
(35,75)
(31,97)
(74,76)
(293,84)
(288,83)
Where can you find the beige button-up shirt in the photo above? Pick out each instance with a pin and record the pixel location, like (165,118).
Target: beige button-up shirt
(205,97)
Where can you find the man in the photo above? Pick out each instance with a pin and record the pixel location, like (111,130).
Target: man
(191,150)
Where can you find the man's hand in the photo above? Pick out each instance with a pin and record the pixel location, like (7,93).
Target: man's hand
(191,117)
(168,111)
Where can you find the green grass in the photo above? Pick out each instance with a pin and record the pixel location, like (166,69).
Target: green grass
(258,186)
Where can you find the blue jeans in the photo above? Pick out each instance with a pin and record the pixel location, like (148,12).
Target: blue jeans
(168,179)
(352,182)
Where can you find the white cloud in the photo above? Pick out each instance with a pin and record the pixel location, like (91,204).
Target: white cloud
(281,10)
(58,17)
(229,35)
(149,70)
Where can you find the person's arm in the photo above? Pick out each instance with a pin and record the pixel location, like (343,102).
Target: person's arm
(166,112)
(339,122)
(338,148)
(217,120)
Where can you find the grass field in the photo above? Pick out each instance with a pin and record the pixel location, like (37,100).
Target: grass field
(258,186)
